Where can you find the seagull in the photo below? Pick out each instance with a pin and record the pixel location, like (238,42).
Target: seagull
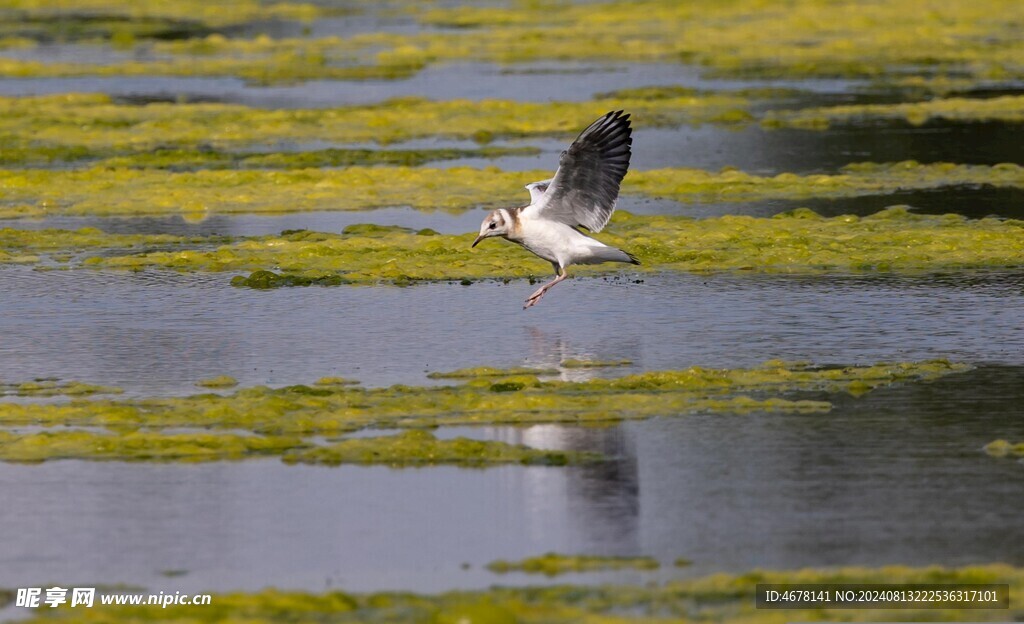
(581,195)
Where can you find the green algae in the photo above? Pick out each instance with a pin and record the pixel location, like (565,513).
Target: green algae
(713,598)
(54,388)
(888,41)
(210,13)
(192,159)
(14,240)
(810,39)
(98,190)
(335,381)
(68,247)
(265,280)
(573,363)
(421,448)
(337,409)
(853,180)
(479,372)
(894,240)
(553,564)
(411,448)
(197,132)
(1005,109)
(138,446)
(109,192)
(22,152)
(220,381)
(1004,448)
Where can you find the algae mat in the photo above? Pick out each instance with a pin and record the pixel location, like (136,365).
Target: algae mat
(554,564)
(716,598)
(1007,109)
(973,41)
(802,242)
(98,123)
(262,421)
(126,191)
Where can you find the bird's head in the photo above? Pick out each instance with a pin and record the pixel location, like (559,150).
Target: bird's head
(496,224)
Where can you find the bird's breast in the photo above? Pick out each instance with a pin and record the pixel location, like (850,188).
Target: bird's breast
(552,241)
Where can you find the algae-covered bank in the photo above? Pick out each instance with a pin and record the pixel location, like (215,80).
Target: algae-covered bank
(811,39)
(99,125)
(102,190)
(262,421)
(800,242)
(554,564)
(716,598)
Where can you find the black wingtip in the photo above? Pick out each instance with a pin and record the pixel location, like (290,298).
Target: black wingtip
(632,259)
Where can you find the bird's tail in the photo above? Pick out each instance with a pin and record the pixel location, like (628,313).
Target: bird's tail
(611,254)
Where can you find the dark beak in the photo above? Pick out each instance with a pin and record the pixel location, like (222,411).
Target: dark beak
(478,239)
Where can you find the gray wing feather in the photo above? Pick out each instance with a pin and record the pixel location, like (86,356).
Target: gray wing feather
(586,185)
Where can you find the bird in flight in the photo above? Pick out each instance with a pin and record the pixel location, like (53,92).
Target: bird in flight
(582,194)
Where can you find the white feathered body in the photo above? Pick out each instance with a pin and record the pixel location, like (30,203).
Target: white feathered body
(581,195)
(560,244)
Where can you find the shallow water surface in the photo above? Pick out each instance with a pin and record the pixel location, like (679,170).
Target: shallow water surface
(541,82)
(893,477)
(897,476)
(106,327)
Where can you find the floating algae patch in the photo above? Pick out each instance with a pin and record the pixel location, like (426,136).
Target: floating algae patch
(335,381)
(95,122)
(14,240)
(138,446)
(689,185)
(220,381)
(479,372)
(894,240)
(190,160)
(1005,109)
(801,241)
(421,448)
(553,564)
(715,598)
(102,191)
(54,388)
(117,192)
(265,280)
(411,448)
(1004,448)
(20,246)
(208,13)
(268,62)
(302,410)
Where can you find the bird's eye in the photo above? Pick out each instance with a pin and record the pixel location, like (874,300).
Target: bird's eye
(493,225)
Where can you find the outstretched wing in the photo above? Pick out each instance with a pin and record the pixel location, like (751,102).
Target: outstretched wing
(537,189)
(586,185)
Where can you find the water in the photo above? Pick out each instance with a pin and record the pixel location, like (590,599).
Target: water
(894,477)
(259,225)
(474,81)
(107,327)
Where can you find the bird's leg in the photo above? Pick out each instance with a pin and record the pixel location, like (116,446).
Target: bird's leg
(535,297)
